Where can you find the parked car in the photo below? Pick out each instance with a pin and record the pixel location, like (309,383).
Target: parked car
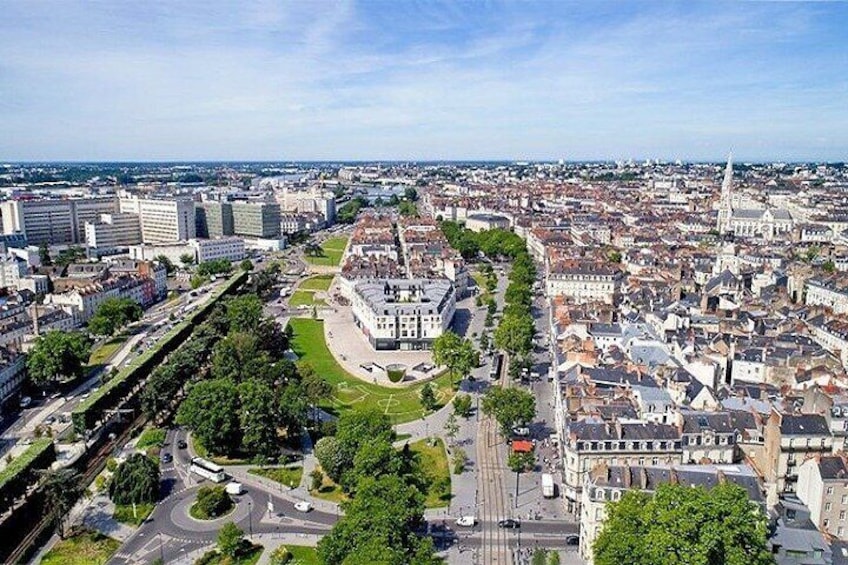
(167,458)
(49,420)
(466,521)
(303,506)
(509,523)
(182,444)
(522,431)
(572,540)
(25,401)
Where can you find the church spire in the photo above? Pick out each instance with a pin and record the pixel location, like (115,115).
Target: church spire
(725,210)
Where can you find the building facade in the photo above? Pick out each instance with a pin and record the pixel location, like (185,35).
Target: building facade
(256,219)
(54,221)
(162,220)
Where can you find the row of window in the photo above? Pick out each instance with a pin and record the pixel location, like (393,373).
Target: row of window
(649,445)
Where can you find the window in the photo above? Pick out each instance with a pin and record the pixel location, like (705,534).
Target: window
(827,506)
(826,524)
(842,515)
(844,498)
(829,490)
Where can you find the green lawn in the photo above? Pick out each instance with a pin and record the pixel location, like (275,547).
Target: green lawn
(246,556)
(329,491)
(333,249)
(287,476)
(318,282)
(151,437)
(124,513)
(303,555)
(87,548)
(434,463)
(305,298)
(400,404)
(103,353)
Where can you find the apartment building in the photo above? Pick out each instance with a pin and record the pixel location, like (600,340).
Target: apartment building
(606,483)
(11,271)
(403,313)
(583,281)
(162,220)
(823,487)
(12,374)
(831,292)
(256,219)
(54,221)
(789,440)
(589,443)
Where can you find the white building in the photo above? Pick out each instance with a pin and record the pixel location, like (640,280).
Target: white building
(12,374)
(403,313)
(231,248)
(113,231)
(823,487)
(162,220)
(11,271)
(54,221)
(827,292)
(583,281)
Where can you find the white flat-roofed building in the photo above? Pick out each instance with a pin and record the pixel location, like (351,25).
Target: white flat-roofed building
(231,248)
(54,221)
(583,281)
(403,313)
(162,220)
(112,231)
(11,271)
(484,222)
(830,292)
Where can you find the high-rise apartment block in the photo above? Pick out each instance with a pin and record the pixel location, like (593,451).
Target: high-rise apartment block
(113,231)
(162,220)
(256,219)
(54,221)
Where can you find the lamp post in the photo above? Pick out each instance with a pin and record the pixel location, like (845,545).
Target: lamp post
(161,549)
(250,518)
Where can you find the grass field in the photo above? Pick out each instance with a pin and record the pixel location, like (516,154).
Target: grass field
(333,249)
(87,548)
(303,555)
(124,513)
(288,476)
(101,355)
(318,282)
(400,404)
(329,491)
(246,556)
(151,437)
(434,462)
(305,298)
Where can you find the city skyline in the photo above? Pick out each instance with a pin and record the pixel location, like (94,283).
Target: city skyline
(348,81)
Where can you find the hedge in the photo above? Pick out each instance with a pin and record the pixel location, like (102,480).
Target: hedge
(121,386)
(22,472)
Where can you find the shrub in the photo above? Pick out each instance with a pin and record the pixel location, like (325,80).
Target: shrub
(212,502)
(280,556)
(396,373)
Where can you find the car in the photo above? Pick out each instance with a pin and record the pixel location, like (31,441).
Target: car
(25,401)
(572,540)
(466,521)
(303,506)
(182,444)
(85,394)
(50,420)
(509,523)
(522,431)
(167,458)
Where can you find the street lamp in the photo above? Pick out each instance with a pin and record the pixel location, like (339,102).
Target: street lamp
(250,518)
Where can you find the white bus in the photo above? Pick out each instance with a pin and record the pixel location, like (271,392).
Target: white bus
(208,470)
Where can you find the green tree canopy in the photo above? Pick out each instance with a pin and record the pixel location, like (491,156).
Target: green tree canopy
(246,265)
(211,411)
(258,418)
(456,353)
(515,332)
(683,525)
(58,356)
(136,480)
(113,314)
(230,539)
(358,427)
(509,406)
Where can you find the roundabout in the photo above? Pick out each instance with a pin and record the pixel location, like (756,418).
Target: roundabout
(180,514)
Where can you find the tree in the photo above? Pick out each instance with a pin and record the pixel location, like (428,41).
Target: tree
(680,524)
(410,194)
(462,405)
(316,387)
(509,406)
(44,255)
(317,479)
(212,502)
(246,265)
(407,208)
(166,262)
(520,462)
(58,356)
(258,419)
(187,259)
(329,454)
(62,488)
(244,313)
(113,314)
(374,459)
(456,353)
(515,333)
(553,558)
(237,357)
(136,481)
(428,397)
(385,512)
(614,256)
(230,540)
(829,266)
(211,411)
(359,427)
(459,460)
(451,428)
(540,557)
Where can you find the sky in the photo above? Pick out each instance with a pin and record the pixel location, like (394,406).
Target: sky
(421,80)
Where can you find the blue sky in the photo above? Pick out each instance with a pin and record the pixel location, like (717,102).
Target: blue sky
(395,79)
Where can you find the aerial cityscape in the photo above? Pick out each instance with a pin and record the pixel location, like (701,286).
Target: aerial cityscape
(355,283)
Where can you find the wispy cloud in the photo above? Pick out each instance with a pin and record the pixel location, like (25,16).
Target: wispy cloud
(297,80)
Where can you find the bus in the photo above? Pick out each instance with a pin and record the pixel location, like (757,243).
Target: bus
(497,362)
(208,470)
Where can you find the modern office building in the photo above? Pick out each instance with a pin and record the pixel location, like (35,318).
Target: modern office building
(230,248)
(256,219)
(162,220)
(403,313)
(213,219)
(54,221)
(113,231)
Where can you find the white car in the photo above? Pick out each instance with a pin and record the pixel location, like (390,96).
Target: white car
(303,506)
(466,521)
